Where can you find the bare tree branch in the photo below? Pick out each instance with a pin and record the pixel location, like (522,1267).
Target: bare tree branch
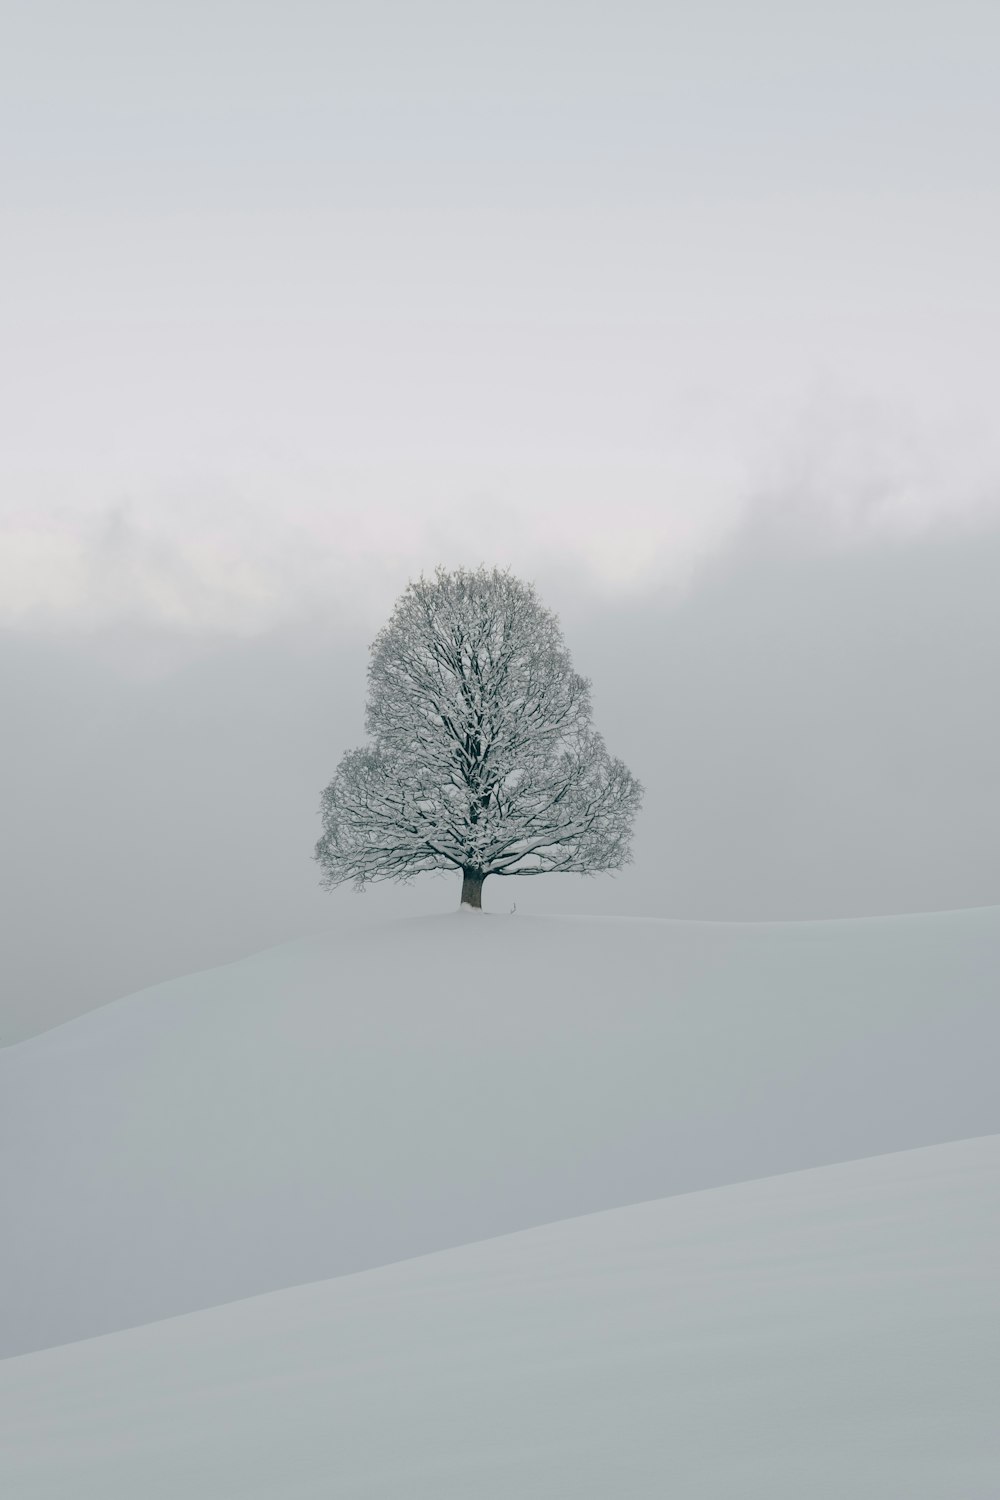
(483,757)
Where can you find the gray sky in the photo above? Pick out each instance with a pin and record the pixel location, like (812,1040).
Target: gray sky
(689,313)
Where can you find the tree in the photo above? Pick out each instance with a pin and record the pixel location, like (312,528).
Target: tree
(482,758)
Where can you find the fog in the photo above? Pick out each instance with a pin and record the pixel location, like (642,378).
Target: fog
(688,314)
(817,728)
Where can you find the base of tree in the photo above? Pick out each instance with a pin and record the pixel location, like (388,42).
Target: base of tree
(472,889)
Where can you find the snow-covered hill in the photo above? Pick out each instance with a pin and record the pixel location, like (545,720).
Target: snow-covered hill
(826,1334)
(373,1095)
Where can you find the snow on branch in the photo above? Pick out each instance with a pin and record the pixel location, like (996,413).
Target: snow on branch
(482,754)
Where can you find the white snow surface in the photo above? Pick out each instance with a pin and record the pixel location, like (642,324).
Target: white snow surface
(825,1334)
(376,1094)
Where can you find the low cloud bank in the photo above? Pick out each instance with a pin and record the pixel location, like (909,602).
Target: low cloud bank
(818,730)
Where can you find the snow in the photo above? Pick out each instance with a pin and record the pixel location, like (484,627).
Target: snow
(825,1334)
(380,1093)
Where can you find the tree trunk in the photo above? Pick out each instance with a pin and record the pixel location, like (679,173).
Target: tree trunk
(472,889)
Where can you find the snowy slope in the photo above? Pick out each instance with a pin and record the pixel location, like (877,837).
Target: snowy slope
(826,1334)
(368,1096)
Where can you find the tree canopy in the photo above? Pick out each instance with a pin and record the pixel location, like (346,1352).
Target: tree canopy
(482,756)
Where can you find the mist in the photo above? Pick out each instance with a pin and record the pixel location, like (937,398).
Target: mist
(817,728)
(688,316)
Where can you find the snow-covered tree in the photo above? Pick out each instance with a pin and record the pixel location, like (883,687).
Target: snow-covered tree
(483,758)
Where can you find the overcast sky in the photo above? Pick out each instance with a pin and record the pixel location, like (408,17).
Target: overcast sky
(689,313)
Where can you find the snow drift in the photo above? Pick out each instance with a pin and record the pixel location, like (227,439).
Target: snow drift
(376,1094)
(826,1334)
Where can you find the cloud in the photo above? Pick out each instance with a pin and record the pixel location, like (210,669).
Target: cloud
(854,471)
(241,556)
(817,729)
